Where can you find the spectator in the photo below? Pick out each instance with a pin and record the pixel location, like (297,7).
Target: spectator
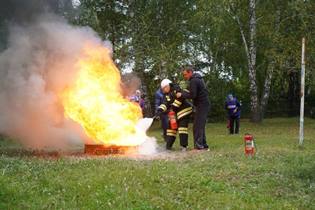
(233,108)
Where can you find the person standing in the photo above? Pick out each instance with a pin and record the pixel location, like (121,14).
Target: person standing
(233,108)
(181,108)
(138,98)
(163,117)
(198,92)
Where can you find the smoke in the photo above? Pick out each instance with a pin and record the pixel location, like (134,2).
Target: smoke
(149,147)
(130,83)
(38,64)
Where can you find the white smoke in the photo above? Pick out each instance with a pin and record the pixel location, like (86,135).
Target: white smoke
(37,65)
(149,147)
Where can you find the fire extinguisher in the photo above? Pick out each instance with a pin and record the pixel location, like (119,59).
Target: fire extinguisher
(249,144)
(172,119)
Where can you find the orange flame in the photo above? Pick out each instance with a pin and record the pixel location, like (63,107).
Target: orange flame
(96,102)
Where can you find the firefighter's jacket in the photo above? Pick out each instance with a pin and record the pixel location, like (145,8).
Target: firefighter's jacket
(180,105)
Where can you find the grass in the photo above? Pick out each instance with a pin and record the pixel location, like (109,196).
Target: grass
(280,176)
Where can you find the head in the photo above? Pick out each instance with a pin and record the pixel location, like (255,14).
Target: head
(138,93)
(165,85)
(187,72)
(230,97)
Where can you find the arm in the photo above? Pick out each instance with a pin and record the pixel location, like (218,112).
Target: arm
(238,105)
(193,89)
(157,101)
(163,107)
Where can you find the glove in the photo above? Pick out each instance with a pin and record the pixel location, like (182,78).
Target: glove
(157,114)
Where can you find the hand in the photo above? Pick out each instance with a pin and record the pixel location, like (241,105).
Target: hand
(178,95)
(157,114)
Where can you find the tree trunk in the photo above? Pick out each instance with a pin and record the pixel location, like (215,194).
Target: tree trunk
(251,60)
(266,90)
(254,106)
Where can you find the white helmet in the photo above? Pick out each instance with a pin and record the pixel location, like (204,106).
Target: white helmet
(165,82)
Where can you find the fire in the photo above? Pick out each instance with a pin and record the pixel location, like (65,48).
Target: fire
(95,101)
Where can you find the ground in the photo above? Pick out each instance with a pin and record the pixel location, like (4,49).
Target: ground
(280,176)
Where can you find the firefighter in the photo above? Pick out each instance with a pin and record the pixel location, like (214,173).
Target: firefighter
(182,109)
(233,108)
(199,94)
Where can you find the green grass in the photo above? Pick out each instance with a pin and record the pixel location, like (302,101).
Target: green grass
(280,176)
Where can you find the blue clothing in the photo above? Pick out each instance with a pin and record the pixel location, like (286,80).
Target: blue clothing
(159,97)
(233,107)
(134,98)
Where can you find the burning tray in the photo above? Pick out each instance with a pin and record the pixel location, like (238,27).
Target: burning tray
(100,149)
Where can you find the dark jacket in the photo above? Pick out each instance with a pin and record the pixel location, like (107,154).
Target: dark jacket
(180,105)
(233,108)
(197,91)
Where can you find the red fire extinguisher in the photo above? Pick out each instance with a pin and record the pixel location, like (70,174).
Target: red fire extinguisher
(172,119)
(249,145)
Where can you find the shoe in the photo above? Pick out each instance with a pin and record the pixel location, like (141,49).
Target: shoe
(198,146)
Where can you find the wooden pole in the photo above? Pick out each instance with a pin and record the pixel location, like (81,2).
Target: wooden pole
(301,139)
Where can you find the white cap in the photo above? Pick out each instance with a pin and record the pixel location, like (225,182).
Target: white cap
(165,82)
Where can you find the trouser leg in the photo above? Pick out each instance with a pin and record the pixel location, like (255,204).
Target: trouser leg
(237,125)
(170,138)
(196,133)
(204,141)
(183,131)
(231,125)
(164,124)
(200,120)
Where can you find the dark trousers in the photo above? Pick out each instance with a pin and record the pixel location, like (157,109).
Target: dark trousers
(164,124)
(182,131)
(234,125)
(200,120)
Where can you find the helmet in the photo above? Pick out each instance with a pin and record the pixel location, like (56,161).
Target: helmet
(165,82)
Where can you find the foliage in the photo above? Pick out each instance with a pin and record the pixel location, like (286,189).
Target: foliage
(155,38)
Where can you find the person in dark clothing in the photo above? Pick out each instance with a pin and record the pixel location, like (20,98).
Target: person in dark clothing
(199,94)
(233,108)
(183,111)
(163,117)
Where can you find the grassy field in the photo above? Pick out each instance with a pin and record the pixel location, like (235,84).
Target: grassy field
(281,176)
